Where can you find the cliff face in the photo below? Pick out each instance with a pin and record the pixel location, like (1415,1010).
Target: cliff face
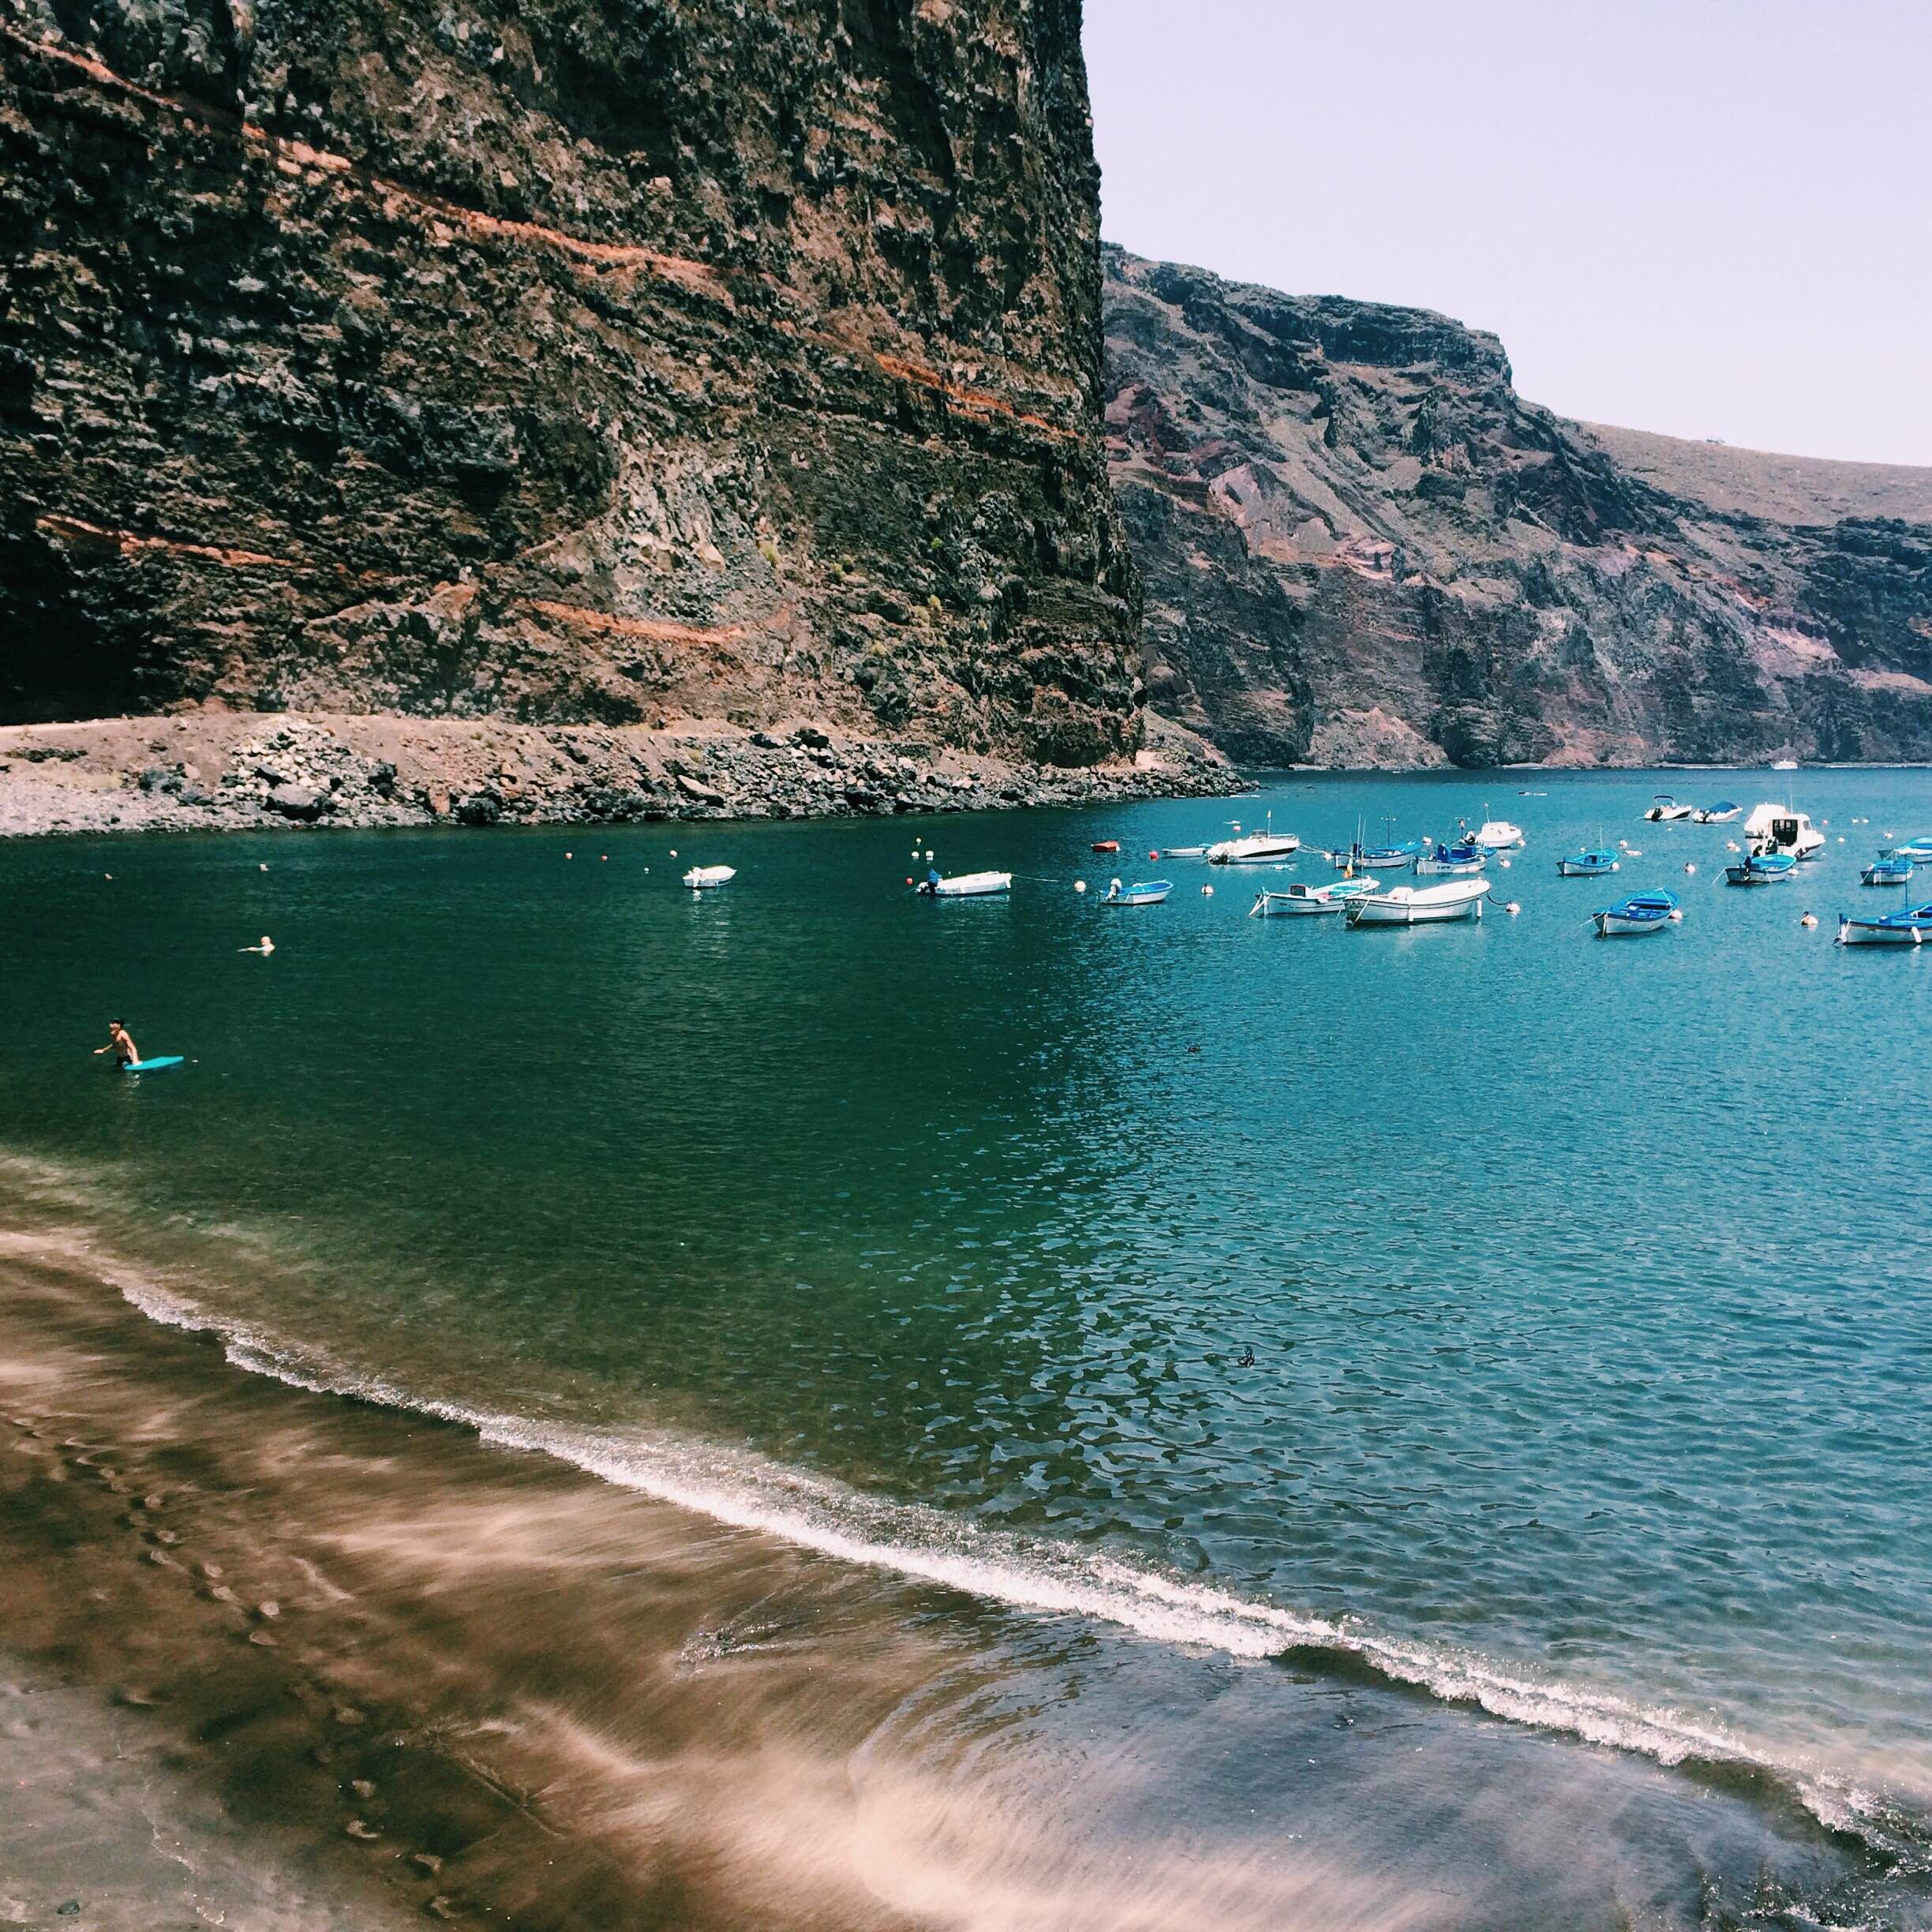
(567,360)
(1360,546)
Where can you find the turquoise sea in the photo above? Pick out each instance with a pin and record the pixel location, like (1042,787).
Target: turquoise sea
(1453,1401)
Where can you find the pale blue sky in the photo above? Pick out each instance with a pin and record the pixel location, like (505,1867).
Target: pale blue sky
(1705,217)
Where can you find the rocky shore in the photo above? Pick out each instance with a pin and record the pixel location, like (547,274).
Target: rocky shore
(226,771)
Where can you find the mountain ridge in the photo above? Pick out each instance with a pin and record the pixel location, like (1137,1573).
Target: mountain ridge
(1360,546)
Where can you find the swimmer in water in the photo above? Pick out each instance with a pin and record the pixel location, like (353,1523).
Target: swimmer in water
(121,1044)
(266,947)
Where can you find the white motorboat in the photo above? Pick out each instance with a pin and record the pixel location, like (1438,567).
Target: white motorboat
(1721,813)
(1183,852)
(966,885)
(1417,905)
(1778,829)
(699,876)
(1303,900)
(1665,808)
(1264,848)
(1495,835)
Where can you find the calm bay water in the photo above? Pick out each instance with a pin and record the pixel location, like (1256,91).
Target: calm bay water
(1584,1284)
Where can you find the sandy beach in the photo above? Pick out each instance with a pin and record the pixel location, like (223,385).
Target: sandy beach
(358,1668)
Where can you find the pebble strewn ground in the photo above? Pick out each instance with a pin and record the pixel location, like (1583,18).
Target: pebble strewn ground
(238,771)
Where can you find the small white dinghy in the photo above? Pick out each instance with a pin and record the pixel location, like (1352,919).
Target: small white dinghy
(1419,905)
(1142,892)
(966,885)
(699,876)
(1495,835)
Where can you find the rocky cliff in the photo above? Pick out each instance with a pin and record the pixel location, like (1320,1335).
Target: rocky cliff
(1359,546)
(610,362)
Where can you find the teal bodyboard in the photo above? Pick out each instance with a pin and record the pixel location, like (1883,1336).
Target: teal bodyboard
(153,1065)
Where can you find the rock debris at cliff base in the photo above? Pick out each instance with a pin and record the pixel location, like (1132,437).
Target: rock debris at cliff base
(218,770)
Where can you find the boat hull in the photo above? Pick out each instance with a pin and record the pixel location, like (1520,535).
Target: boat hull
(1580,868)
(1253,852)
(1877,932)
(970,885)
(1620,925)
(1278,905)
(1756,875)
(1152,894)
(1428,905)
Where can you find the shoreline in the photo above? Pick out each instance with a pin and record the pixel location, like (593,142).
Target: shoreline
(245,771)
(386,1668)
(316,1617)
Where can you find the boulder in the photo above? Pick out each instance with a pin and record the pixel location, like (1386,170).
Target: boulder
(480,807)
(299,801)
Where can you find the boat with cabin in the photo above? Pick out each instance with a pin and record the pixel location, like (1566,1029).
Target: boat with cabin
(1592,864)
(1451,861)
(1641,912)
(1265,847)
(1778,829)
(966,885)
(1420,905)
(1143,892)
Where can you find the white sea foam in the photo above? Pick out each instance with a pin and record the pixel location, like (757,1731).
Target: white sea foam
(748,1491)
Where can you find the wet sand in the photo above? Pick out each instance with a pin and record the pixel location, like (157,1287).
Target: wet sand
(403,1672)
(272,1659)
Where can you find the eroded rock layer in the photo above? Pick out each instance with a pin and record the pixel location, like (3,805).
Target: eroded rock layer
(618,360)
(1360,546)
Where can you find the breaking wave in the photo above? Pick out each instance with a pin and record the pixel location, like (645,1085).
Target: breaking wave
(750,1492)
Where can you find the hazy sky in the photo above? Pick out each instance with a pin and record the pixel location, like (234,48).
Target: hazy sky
(1705,217)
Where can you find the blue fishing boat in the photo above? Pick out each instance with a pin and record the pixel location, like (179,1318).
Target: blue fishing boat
(1452,861)
(1910,925)
(1641,912)
(1142,892)
(1761,869)
(1889,868)
(1586,864)
(1918,850)
(1390,855)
